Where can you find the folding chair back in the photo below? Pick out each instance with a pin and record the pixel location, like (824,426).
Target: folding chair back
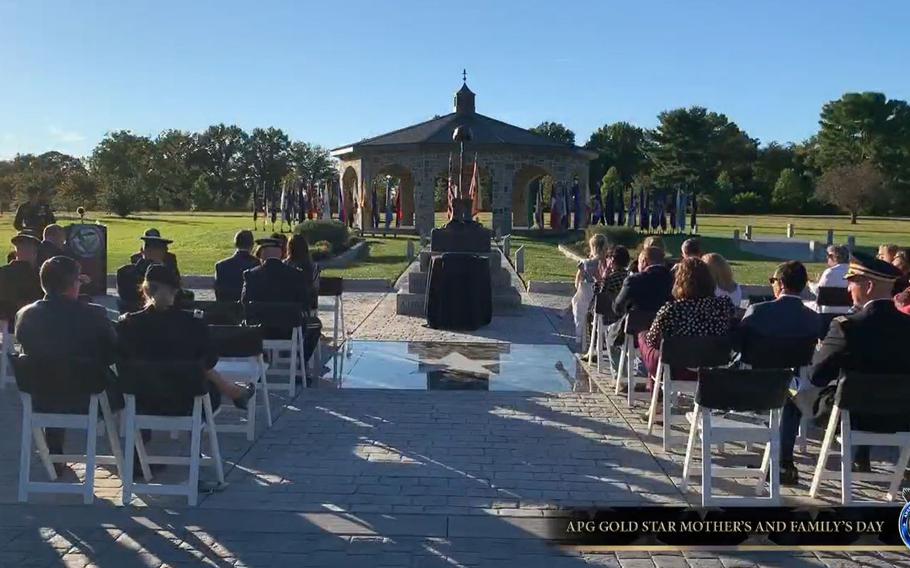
(696,351)
(742,390)
(330,286)
(283,315)
(875,394)
(767,352)
(236,340)
(220,313)
(639,320)
(833,296)
(165,388)
(59,378)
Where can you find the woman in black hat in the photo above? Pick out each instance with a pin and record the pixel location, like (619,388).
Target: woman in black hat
(162,332)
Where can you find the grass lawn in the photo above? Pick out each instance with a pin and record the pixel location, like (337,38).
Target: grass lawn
(200,239)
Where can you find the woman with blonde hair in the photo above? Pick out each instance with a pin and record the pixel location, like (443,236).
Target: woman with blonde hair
(725,285)
(163,332)
(589,272)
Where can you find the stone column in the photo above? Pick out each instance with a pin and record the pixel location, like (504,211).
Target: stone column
(423,203)
(364,197)
(501,201)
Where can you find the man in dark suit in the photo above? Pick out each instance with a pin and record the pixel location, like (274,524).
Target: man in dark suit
(872,340)
(786,315)
(19,283)
(53,243)
(229,272)
(649,289)
(61,326)
(33,216)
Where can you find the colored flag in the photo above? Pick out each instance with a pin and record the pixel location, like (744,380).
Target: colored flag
(398,214)
(388,202)
(576,203)
(450,191)
(474,192)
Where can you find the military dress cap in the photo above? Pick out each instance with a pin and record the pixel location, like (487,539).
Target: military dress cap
(25,237)
(162,274)
(867,266)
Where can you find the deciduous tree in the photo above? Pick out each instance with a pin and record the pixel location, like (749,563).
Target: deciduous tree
(852,187)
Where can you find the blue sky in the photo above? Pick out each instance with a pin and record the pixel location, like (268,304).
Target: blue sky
(335,72)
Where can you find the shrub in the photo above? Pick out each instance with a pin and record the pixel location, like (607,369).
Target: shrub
(120,195)
(747,202)
(321,250)
(625,236)
(333,232)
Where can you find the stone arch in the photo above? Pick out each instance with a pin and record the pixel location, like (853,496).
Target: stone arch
(404,179)
(520,191)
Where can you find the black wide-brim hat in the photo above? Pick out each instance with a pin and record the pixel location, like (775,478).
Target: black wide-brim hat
(24,238)
(163,275)
(155,239)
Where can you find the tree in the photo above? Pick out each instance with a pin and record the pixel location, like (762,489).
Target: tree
(868,126)
(173,168)
(769,162)
(221,158)
(620,145)
(852,187)
(267,157)
(692,146)
(612,182)
(790,192)
(123,156)
(311,162)
(120,195)
(554,131)
(77,190)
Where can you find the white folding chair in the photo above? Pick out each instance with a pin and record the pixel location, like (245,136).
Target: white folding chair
(872,396)
(240,358)
(281,315)
(747,391)
(33,423)
(636,321)
(682,352)
(334,287)
(7,348)
(201,420)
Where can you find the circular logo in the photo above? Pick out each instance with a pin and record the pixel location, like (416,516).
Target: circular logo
(85,240)
(903,524)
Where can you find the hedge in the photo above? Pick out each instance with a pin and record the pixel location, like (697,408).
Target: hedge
(334,233)
(625,236)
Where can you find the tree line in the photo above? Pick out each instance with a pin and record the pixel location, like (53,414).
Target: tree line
(858,161)
(217,169)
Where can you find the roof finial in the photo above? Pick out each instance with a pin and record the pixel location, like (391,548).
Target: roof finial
(464,76)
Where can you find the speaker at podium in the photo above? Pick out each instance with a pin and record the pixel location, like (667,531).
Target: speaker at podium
(87,243)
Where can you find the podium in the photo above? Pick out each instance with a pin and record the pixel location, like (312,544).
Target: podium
(87,243)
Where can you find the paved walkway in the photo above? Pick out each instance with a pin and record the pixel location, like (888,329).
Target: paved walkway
(387,478)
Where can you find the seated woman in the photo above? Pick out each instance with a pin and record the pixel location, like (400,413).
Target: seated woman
(694,311)
(902,262)
(162,332)
(589,273)
(724,283)
(298,256)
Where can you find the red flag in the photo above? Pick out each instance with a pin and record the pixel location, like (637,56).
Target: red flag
(475,190)
(450,190)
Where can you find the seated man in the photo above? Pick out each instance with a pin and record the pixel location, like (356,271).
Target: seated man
(786,315)
(19,282)
(168,259)
(648,289)
(53,243)
(129,276)
(61,327)
(229,272)
(274,281)
(872,340)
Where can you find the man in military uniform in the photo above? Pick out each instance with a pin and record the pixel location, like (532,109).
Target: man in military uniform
(871,340)
(33,217)
(19,283)
(61,326)
(169,259)
(129,276)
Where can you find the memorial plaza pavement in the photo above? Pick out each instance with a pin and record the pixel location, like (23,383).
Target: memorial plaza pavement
(376,478)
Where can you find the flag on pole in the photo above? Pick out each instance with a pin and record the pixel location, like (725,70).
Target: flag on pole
(388,202)
(576,204)
(450,191)
(398,213)
(475,190)
(341,212)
